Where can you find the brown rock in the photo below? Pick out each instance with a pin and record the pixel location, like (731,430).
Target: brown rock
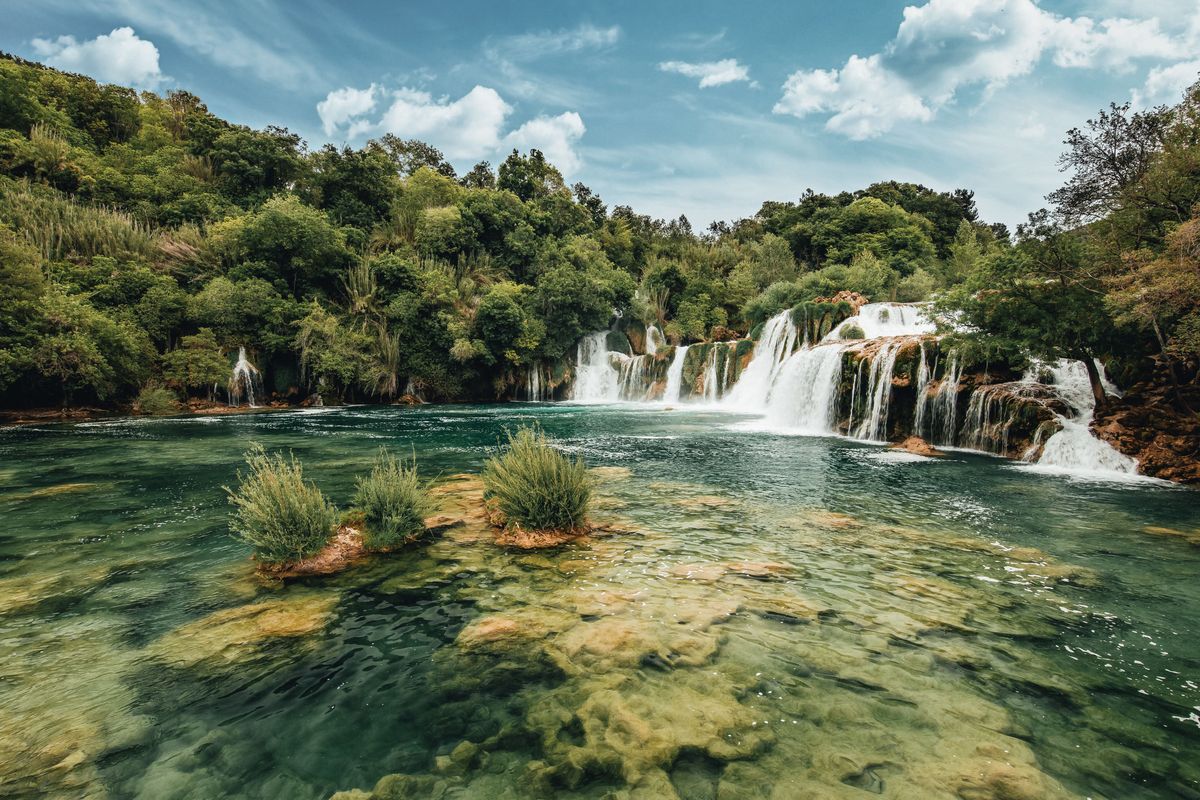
(917,446)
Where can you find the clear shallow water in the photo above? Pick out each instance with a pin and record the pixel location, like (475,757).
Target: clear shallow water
(790,617)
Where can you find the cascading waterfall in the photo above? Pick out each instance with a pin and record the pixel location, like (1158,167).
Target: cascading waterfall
(775,344)
(597,378)
(877,320)
(535,389)
(1074,447)
(245,382)
(795,385)
(632,379)
(805,395)
(878,394)
(675,375)
(654,340)
(936,416)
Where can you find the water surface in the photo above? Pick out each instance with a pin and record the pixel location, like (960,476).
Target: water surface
(785,617)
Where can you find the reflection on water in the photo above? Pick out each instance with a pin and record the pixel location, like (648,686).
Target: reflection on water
(789,617)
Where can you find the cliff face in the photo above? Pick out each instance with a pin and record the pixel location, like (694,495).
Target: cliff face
(1148,424)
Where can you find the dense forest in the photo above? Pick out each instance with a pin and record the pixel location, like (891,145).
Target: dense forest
(143,241)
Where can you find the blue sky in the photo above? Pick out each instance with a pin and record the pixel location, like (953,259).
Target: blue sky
(702,108)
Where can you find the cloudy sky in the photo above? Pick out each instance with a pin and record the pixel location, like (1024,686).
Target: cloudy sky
(706,111)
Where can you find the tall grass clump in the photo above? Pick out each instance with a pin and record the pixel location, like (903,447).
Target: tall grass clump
(283,518)
(61,227)
(394,502)
(536,486)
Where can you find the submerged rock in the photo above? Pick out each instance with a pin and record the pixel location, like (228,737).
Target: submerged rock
(235,633)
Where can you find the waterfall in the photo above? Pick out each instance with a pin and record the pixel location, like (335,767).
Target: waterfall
(1074,446)
(711,380)
(936,416)
(675,375)
(775,344)
(924,374)
(654,340)
(632,380)
(805,395)
(245,382)
(991,412)
(888,319)
(535,390)
(597,379)
(878,394)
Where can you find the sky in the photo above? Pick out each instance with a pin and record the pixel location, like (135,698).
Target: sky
(705,109)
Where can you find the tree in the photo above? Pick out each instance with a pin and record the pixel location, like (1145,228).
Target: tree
(1108,154)
(529,177)
(299,243)
(252,165)
(409,155)
(197,363)
(480,177)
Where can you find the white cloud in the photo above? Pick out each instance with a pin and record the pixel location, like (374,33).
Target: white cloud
(1166,84)
(119,57)
(344,105)
(860,96)
(540,44)
(556,137)
(469,128)
(947,45)
(710,73)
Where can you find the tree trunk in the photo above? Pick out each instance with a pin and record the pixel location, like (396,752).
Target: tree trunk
(1094,378)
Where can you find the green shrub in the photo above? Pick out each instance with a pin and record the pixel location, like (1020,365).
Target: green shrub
(157,400)
(278,514)
(394,502)
(536,486)
(853,332)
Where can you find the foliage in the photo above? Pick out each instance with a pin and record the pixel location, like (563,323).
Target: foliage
(537,487)
(276,512)
(142,238)
(157,400)
(394,502)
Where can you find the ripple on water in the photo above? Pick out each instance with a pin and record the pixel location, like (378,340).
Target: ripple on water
(787,617)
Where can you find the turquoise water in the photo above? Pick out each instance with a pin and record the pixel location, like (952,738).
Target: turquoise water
(781,617)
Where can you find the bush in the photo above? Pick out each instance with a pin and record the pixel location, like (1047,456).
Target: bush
(852,332)
(537,487)
(278,514)
(394,502)
(157,401)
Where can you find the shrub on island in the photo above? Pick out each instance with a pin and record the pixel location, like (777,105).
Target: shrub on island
(394,502)
(157,401)
(281,516)
(852,332)
(536,487)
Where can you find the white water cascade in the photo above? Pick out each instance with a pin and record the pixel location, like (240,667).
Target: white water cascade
(535,390)
(245,382)
(654,340)
(1074,447)
(775,345)
(798,386)
(675,375)
(597,377)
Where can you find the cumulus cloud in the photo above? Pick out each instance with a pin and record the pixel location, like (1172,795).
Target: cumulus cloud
(464,128)
(1166,84)
(710,73)
(556,137)
(469,128)
(344,106)
(118,57)
(946,45)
